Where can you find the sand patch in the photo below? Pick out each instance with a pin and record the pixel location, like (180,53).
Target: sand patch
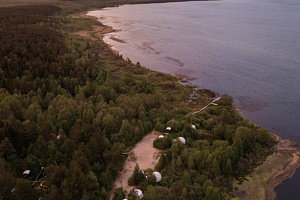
(144,154)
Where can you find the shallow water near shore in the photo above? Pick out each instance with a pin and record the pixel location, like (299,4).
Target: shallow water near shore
(289,188)
(248,49)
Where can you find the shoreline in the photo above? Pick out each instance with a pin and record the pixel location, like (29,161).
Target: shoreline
(277,167)
(97,32)
(289,169)
(286,150)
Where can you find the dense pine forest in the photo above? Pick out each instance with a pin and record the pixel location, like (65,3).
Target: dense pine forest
(70,108)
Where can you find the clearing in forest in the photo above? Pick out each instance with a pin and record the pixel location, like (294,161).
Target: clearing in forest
(143,154)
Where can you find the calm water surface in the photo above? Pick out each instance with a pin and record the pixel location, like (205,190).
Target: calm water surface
(249,49)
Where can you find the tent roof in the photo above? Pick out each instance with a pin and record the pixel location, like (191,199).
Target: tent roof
(182,140)
(138,193)
(157,176)
(26,172)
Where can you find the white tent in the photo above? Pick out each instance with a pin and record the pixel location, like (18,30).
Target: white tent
(182,140)
(168,128)
(193,126)
(157,176)
(138,193)
(161,136)
(26,172)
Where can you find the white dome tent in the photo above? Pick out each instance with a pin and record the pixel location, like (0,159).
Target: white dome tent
(26,172)
(161,136)
(138,193)
(157,176)
(182,140)
(193,126)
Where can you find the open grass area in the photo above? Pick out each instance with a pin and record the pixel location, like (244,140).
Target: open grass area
(261,182)
(253,186)
(8,3)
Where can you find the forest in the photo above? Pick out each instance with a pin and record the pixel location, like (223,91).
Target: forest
(70,108)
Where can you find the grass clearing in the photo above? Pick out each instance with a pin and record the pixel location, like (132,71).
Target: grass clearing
(277,167)
(254,188)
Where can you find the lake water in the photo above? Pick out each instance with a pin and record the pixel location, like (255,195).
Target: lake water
(249,49)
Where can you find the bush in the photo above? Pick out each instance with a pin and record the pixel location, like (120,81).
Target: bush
(225,100)
(162,143)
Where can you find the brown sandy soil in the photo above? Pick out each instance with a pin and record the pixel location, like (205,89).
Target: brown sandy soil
(276,168)
(144,154)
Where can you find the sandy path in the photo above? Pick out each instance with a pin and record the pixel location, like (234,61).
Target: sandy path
(146,157)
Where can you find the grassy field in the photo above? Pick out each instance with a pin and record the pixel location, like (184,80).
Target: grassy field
(277,167)
(253,187)
(7,3)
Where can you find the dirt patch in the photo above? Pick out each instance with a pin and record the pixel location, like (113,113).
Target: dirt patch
(143,154)
(276,168)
